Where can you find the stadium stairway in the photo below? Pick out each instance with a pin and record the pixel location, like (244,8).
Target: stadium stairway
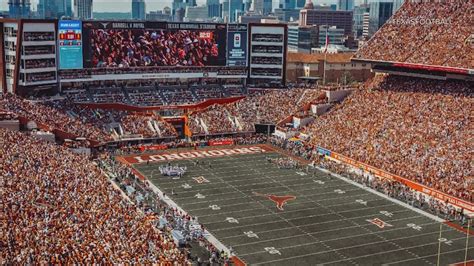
(127,97)
(204,126)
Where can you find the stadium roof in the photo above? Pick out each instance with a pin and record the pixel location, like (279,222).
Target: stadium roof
(431,33)
(314,58)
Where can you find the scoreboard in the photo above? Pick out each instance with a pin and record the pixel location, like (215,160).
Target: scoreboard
(70,44)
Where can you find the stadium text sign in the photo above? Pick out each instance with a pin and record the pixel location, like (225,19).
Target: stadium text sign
(193,154)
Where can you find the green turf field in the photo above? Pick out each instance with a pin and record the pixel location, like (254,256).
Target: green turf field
(327,223)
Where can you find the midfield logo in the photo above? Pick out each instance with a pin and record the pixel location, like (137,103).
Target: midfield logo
(279,200)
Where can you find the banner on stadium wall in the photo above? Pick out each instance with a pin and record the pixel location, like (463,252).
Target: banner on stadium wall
(413,185)
(153,147)
(220,142)
(323,151)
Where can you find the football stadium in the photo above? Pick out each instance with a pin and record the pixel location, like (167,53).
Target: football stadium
(180,143)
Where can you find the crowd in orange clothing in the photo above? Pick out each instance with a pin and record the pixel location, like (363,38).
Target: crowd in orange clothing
(93,124)
(267,107)
(415,128)
(425,32)
(58,208)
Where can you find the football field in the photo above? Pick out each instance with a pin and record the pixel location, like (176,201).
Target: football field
(272,216)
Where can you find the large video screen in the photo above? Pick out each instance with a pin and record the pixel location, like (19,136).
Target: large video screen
(141,44)
(70,44)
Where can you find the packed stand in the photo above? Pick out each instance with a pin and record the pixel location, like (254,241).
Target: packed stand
(425,32)
(415,128)
(52,117)
(58,208)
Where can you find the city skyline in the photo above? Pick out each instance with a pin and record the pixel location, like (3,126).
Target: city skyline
(151,5)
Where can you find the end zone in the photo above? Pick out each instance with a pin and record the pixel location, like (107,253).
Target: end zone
(193,154)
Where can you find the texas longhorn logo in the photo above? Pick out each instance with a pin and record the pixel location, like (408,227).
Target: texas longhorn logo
(279,200)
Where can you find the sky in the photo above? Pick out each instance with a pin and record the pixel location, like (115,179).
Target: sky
(151,5)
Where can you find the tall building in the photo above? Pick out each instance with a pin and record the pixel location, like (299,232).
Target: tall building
(287,4)
(247,5)
(287,15)
(235,7)
(19,8)
(300,3)
(335,35)
(263,7)
(167,10)
(196,13)
(301,39)
(138,9)
(213,8)
(359,12)
(83,9)
(54,9)
(340,19)
(178,5)
(158,16)
(380,12)
(396,5)
(225,10)
(345,4)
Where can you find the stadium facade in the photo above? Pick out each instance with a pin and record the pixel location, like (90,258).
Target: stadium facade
(39,55)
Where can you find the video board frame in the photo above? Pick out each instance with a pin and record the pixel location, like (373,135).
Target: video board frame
(194,44)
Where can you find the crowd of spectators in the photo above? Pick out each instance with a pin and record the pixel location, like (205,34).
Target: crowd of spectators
(58,208)
(40,63)
(93,124)
(169,218)
(51,117)
(108,95)
(148,96)
(38,49)
(259,107)
(42,76)
(31,36)
(415,128)
(425,32)
(135,48)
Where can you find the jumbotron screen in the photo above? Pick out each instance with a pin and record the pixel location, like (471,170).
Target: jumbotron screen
(141,44)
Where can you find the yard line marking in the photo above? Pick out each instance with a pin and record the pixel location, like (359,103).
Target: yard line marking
(345,237)
(331,262)
(304,217)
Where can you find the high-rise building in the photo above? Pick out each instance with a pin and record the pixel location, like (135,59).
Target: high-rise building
(83,9)
(358,18)
(54,9)
(345,4)
(301,39)
(225,10)
(178,5)
(287,4)
(158,16)
(167,10)
(138,9)
(19,8)
(213,8)
(300,3)
(396,5)
(235,7)
(335,35)
(247,5)
(263,7)
(287,14)
(196,13)
(380,12)
(340,19)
